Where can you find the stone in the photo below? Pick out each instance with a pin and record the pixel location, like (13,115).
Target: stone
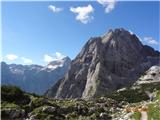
(49,109)
(14,113)
(152,75)
(105,64)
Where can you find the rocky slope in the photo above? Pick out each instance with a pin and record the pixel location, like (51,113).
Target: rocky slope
(110,62)
(127,104)
(139,107)
(34,78)
(150,76)
(33,107)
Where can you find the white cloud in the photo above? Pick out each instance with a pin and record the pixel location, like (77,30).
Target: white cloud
(56,56)
(55,9)
(150,40)
(108,4)
(83,13)
(11,57)
(59,55)
(48,58)
(26,60)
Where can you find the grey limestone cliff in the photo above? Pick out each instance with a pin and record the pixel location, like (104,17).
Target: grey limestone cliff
(106,63)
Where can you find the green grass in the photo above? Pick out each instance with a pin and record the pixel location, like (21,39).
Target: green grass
(137,116)
(154,108)
(135,95)
(80,118)
(66,102)
(150,87)
(38,112)
(154,111)
(158,95)
(42,116)
(8,105)
(129,95)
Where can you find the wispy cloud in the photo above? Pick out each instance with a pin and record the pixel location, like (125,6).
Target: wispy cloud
(83,13)
(108,4)
(59,55)
(11,57)
(48,58)
(54,9)
(26,60)
(150,40)
(56,56)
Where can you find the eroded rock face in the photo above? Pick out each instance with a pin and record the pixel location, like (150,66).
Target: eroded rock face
(150,76)
(105,63)
(49,109)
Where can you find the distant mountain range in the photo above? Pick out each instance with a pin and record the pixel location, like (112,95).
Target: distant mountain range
(105,64)
(34,78)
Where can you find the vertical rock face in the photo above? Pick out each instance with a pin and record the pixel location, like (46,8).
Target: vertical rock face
(34,78)
(105,63)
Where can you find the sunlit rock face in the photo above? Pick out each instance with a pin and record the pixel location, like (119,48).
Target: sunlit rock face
(110,62)
(150,76)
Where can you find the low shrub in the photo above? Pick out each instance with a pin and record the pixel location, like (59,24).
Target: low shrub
(14,94)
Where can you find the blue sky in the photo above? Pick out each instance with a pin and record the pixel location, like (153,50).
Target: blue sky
(38,32)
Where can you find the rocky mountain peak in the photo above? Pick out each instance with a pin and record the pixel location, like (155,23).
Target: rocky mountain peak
(62,60)
(105,63)
(120,35)
(116,31)
(59,63)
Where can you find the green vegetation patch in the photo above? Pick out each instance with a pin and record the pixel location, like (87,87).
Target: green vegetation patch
(158,95)
(154,111)
(136,116)
(129,95)
(150,87)
(8,105)
(14,94)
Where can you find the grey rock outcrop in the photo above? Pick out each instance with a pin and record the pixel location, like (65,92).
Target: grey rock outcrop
(49,109)
(34,78)
(110,62)
(150,76)
(14,113)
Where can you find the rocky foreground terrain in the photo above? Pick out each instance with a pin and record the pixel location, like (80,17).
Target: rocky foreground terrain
(123,105)
(137,102)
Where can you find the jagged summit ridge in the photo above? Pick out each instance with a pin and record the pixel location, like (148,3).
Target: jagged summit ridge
(58,63)
(34,78)
(105,63)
